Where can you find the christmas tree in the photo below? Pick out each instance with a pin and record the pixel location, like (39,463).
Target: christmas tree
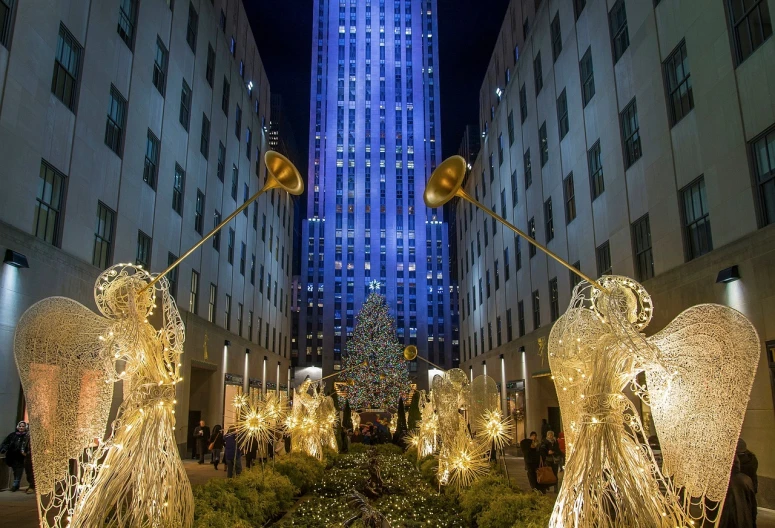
(376,365)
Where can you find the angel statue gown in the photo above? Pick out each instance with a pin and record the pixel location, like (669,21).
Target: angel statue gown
(69,359)
(698,372)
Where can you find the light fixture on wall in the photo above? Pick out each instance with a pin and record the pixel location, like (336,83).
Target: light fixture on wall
(226,342)
(15,259)
(247,351)
(729,274)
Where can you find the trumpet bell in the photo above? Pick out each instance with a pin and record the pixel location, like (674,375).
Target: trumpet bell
(284,174)
(445,181)
(410,352)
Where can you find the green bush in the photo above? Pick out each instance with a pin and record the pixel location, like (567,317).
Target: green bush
(429,468)
(478,497)
(329,457)
(301,469)
(518,510)
(253,498)
(338,482)
(411,455)
(388,449)
(356,449)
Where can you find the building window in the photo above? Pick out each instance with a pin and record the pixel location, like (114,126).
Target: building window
(536,310)
(751,25)
(696,219)
(225,97)
(192,28)
(556,37)
(523,103)
(487,283)
(160,63)
(620,38)
(679,84)
(569,194)
(143,250)
(511,127)
(151,168)
(239,319)
(217,235)
(230,250)
(103,236)
(498,327)
(630,134)
(595,163)
(253,269)
(185,105)
(528,169)
(199,212)
(587,77)
(574,277)
(66,67)
(549,219)
(500,152)
(578,7)
(489,336)
(554,300)
(531,230)
(514,195)
(544,143)
(221,161)
(227,312)
(212,303)
(243,258)
(603,256)
(250,325)
(518,252)
(222,22)
(234,182)
(172,276)
(49,202)
(204,139)
(114,128)
(644,259)
(238,123)
(521,318)
(562,114)
(178,186)
(538,73)
(509,328)
(210,69)
(194,292)
(6,17)
(764,154)
(127,18)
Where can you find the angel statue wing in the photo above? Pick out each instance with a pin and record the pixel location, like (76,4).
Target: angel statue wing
(63,361)
(699,393)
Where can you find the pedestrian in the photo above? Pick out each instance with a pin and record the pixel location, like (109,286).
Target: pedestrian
(532,458)
(357,437)
(251,452)
(232,452)
(749,464)
(16,448)
(551,454)
(216,445)
(561,443)
(740,503)
(201,435)
(544,428)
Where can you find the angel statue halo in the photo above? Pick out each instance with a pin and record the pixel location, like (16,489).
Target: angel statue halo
(596,351)
(67,358)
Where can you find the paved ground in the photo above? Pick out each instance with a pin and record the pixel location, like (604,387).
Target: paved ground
(20,511)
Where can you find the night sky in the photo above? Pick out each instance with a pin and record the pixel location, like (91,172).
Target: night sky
(468,29)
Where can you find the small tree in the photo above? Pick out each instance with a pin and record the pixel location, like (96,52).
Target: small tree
(398,436)
(414,412)
(347,419)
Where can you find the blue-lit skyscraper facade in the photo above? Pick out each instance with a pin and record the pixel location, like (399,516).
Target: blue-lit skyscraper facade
(374,141)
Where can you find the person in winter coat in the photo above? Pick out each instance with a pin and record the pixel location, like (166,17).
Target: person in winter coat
(251,452)
(232,452)
(16,447)
(749,464)
(201,435)
(529,447)
(740,504)
(216,441)
(551,454)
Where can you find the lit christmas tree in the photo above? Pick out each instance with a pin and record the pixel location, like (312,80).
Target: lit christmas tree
(374,355)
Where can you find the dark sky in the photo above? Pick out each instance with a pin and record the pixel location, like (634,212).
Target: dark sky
(468,29)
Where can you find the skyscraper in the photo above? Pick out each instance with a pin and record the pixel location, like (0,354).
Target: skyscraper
(374,141)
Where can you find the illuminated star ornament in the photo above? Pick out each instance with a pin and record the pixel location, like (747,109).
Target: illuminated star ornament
(375,286)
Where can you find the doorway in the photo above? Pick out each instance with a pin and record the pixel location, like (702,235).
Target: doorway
(193,421)
(555,420)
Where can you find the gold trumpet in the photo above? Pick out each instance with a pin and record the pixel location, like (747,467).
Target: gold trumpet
(410,353)
(445,184)
(282,174)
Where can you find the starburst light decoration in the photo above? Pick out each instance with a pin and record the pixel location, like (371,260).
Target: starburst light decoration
(462,460)
(67,358)
(260,418)
(494,429)
(699,371)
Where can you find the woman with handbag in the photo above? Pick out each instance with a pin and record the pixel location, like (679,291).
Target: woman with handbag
(551,455)
(216,445)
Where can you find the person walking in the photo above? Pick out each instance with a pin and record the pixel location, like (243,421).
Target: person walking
(201,435)
(216,445)
(551,454)
(232,452)
(251,452)
(16,448)
(529,447)
(749,464)
(740,504)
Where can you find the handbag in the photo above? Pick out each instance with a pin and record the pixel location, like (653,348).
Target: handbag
(211,446)
(545,475)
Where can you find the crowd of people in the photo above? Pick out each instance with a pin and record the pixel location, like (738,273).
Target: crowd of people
(548,452)
(370,433)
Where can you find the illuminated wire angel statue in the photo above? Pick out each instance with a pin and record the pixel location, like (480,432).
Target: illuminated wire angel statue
(311,421)
(67,358)
(699,371)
